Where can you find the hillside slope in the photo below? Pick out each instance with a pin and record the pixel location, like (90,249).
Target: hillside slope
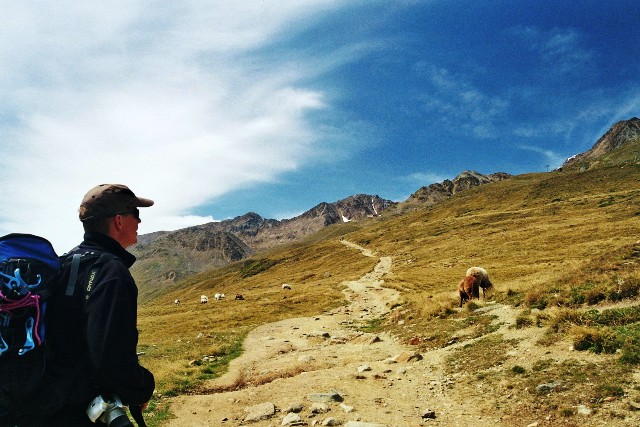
(556,244)
(167,257)
(289,365)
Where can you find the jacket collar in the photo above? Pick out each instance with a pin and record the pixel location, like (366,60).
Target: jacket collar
(107,244)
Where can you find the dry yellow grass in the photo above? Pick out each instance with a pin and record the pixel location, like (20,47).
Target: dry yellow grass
(174,338)
(529,232)
(550,238)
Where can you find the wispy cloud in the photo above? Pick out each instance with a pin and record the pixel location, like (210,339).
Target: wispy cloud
(166,99)
(459,106)
(561,50)
(552,159)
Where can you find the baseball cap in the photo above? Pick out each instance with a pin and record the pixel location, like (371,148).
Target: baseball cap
(107,200)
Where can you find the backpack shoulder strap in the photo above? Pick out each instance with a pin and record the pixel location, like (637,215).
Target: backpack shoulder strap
(73,274)
(78,259)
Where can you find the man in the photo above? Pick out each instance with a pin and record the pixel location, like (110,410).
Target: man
(92,334)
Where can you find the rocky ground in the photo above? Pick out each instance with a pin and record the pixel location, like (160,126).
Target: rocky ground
(322,371)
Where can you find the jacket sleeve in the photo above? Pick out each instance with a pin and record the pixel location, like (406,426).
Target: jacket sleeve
(112,335)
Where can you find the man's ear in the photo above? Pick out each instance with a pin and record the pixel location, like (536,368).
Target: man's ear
(116,222)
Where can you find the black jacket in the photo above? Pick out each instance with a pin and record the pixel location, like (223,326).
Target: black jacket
(97,338)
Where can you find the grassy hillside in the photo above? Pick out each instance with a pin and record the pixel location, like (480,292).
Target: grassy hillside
(548,240)
(175,339)
(531,232)
(554,244)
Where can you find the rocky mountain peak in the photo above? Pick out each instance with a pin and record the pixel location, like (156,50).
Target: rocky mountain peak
(361,206)
(437,192)
(619,135)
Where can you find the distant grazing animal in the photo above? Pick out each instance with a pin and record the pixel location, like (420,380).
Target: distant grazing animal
(483,278)
(239,297)
(286,286)
(203,299)
(468,289)
(177,302)
(218,297)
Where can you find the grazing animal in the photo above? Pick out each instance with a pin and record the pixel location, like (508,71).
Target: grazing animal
(286,286)
(239,297)
(177,302)
(482,277)
(203,299)
(218,297)
(468,289)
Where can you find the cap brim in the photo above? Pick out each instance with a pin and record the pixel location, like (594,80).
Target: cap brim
(143,203)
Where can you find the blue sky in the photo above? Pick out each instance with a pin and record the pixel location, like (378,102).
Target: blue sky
(217,108)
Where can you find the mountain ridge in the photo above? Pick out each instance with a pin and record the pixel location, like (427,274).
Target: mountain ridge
(622,133)
(173,255)
(437,192)
(170,256)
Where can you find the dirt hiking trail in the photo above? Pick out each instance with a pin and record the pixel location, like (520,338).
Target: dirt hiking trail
(292,364)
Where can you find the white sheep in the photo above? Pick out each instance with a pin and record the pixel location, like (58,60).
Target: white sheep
(203,299)
(176,302)
(218,297)
(286,286)
(482,278)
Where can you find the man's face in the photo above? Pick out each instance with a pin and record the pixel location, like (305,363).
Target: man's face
(130,221)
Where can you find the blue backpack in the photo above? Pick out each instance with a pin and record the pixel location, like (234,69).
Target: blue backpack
(29,268)
(28,265)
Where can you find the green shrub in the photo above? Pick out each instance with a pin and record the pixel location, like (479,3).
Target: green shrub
(630,353)
(607,390)
(471,306)
(594,296)
(542,365)
(601,340)
(626,288)
(517,369)
(567,412)
(577,298)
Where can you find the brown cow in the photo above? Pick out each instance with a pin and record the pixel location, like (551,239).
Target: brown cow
(468,289)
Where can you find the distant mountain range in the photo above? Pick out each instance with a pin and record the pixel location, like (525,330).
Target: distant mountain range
(171,256)
(258,233)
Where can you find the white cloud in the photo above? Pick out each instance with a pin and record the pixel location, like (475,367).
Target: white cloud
(164,97)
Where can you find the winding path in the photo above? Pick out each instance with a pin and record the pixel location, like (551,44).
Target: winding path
(285,361)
